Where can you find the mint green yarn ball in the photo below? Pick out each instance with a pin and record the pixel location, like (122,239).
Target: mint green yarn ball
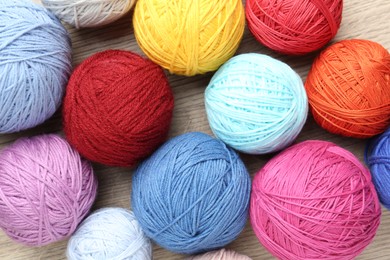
(256,104)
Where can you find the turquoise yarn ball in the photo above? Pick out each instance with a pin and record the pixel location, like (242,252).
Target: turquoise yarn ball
(256,104)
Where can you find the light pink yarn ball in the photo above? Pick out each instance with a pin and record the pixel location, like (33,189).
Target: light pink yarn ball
(46,189)
(314,200)
(223,254)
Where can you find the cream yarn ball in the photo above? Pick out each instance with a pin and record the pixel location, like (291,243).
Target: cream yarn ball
(89,13)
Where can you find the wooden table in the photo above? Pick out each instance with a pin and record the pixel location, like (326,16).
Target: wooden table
(361,19)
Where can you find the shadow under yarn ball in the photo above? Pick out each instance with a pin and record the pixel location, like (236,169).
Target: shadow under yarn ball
(256,104)
(117,108)
(192,194)
(109,233)
(314,200)
(294,27)
(378,159)
(348,88)
(35,64)
(46,189)
(189,37)
(87,13)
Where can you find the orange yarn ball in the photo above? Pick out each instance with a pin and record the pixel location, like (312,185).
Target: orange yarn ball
(348,88)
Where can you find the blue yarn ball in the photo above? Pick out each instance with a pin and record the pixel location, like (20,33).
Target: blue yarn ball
(377,156)
(256,104)
(35,64)
(192,195)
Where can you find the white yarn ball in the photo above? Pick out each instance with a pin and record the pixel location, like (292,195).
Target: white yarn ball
(88,13)
(110,233)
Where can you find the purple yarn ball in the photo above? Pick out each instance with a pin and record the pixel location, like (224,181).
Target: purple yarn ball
(46,190)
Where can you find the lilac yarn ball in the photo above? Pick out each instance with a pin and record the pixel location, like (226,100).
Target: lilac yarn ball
(46,189)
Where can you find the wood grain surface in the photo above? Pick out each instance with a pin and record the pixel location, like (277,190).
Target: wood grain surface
(361,19)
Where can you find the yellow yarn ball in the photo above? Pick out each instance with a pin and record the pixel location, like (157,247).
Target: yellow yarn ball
(189,37)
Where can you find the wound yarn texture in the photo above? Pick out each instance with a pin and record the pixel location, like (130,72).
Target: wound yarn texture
(117,108)
(87,13)
(46,190)
(349,88)
(35,64)
(109,233)
(256,104)
(189,37)
(314,200)
(192,194)
(378,159)
(223,254)
(294,27)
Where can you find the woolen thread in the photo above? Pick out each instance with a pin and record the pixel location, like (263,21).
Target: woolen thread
(117,108)
(192,194)
(189,37)
(46,190)
(348,88)
(35,64)
(110,233)
(294,27)
(256,104)
(314,200)
(222,254)
(87,13)
(378,159)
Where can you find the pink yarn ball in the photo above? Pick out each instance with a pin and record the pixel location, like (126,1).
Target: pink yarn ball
(46,189)
(314,200)
(222,254)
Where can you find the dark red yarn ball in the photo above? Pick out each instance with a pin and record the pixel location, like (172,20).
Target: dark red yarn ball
(118,108)
(294,27)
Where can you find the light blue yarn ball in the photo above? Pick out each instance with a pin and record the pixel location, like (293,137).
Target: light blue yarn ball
(109,234)
(35,64)
(192,195)
(256,104)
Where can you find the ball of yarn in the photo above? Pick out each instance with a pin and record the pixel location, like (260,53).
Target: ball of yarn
(348,88)
(46,189)
(256,104)
(189,37)
(192,194)
(35,64)
(294,27)
(109,233)
(87,13)
(378,159)
(314,200)
(222,254)
(117,108)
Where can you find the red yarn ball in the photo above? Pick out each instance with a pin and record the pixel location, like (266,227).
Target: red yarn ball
(314,200)
(294,27)
(118,108)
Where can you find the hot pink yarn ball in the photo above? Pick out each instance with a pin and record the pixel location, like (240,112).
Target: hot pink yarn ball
(314,200)
(46,189)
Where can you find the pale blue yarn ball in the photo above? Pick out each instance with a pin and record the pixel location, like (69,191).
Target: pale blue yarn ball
(192,194)
(256,104)
(35,64)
